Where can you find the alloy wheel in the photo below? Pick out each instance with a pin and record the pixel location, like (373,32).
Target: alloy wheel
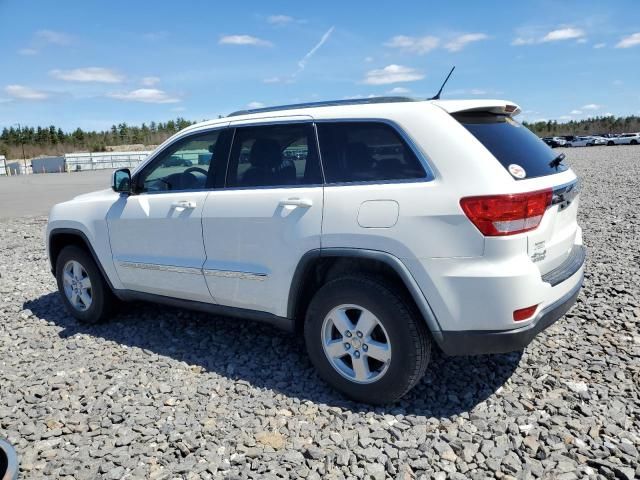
(77,285)
(356,343)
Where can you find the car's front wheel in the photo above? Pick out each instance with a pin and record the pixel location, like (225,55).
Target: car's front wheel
(85,294)
(366,339)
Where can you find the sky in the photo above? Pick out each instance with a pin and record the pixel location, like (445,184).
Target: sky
(93,64)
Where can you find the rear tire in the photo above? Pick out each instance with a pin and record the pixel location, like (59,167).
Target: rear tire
(610,143)
(376,365)
(634,142)
(84,292)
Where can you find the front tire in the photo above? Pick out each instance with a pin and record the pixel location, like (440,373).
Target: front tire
(84,292)
(366,339)
(634,142)
(610,143)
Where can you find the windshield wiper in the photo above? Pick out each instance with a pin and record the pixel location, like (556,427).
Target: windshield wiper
(555,163)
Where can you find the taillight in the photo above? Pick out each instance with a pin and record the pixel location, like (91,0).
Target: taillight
(499,215)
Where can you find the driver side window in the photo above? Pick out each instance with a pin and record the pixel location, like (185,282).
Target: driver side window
(185,165)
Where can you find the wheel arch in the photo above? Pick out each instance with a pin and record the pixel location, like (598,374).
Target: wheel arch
(319,265)
(62,237)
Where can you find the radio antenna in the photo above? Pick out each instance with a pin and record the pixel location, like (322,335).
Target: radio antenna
(437,95)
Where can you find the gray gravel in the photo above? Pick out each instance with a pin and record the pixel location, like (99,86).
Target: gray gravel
(161,393)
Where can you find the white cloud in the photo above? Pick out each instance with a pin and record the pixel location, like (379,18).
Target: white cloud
(419,45)
(50,36)
(89,74)
(523,41)
(600,45)
(565,117)
(478,91)
(392,74)
(280,19)
(255,105)
(399,91)
(591,106)
(576,112)
(461,41)
(563,34)
(283,79)
(146,95)
(21,92)
(243,40)
(178,109)
(303,62)
(630,41)
(368,59)
(28,51)
(530,36)
(150,81)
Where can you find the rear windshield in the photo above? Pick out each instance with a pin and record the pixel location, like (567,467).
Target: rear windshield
(518,149)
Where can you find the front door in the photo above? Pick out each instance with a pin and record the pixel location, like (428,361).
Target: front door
(268,216)
(156,233)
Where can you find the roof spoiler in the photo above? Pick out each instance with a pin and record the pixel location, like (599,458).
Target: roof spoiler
(498,107)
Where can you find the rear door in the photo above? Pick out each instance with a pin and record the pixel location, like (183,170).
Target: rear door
(530,161)
(269,214)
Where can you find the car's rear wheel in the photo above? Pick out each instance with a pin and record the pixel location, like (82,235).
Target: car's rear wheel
(634,142)
(366,339)
(85,294)
(610,143)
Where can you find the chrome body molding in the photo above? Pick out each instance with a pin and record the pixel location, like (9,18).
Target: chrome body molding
(195,271)
(233,274)
(161,268)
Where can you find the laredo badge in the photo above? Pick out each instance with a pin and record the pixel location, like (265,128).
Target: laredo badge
(517,171)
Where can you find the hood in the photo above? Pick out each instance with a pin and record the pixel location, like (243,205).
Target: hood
(106,193)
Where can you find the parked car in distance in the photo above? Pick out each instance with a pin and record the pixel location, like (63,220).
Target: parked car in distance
(625,139)
(351,222)
(585,142)
(554,142)
(177,161)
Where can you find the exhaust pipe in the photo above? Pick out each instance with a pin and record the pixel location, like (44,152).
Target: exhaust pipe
(8,461)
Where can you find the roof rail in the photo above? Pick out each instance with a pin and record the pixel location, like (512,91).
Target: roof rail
(326,103)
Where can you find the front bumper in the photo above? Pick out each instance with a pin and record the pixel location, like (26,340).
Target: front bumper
(478,342)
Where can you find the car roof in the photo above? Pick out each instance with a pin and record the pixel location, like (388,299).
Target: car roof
(358,106)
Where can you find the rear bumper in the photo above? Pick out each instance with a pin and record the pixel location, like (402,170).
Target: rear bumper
(478,342)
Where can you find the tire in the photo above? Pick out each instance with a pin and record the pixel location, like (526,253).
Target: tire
(568,145)
(102,301)
(610,143)
(399,327)
(633,142)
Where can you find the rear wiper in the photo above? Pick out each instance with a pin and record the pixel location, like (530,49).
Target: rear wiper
(555,163)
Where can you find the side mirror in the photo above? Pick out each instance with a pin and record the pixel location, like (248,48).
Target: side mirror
(121,181)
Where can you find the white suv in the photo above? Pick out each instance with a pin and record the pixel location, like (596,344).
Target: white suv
(376,228)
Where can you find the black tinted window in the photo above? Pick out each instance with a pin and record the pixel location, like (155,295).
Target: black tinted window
(365,152)
(274,155)
(512,143)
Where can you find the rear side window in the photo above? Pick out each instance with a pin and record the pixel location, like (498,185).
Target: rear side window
(512,144)
(273,156)
(365,152)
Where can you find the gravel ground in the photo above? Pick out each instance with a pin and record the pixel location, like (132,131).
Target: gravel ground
(162,393)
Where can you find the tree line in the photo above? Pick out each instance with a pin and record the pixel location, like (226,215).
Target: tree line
(53,140)
(589,126)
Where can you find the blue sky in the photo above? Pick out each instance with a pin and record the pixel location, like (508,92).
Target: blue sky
(93,64)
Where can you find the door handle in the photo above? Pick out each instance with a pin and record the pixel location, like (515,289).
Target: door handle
(184,204)
(296,202)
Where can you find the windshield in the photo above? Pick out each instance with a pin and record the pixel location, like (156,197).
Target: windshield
(512,144)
